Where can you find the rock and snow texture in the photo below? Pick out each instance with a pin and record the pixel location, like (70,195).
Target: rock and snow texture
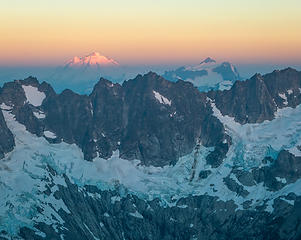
(39,115)
(43,169)
(33,95)
(63,196)
(283,96)
(208,75)
(161,99)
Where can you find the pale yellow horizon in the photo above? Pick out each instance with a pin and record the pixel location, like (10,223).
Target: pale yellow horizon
(150,32)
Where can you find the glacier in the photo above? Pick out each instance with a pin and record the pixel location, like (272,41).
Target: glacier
(26,172)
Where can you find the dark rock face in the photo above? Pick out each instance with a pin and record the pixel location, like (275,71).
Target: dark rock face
(158,132)
(284,170)
(204,174)
(198,217)
(68,115)
(286,167)
(235,187)
(227,71)
(7,141)
(128,117)
(257,99)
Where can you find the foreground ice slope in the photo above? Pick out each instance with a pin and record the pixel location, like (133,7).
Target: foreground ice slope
(27,173)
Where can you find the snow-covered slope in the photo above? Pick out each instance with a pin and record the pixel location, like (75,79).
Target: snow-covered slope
(208,75)
(238,179)
(94,59)
(25,173)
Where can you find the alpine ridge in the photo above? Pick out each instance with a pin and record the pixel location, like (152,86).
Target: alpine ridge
(207,75)
(152,159)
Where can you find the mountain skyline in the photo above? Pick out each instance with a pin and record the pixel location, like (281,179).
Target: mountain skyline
(150,120)
(62,75)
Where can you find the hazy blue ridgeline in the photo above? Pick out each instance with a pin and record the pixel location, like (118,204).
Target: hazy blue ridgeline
(118,74)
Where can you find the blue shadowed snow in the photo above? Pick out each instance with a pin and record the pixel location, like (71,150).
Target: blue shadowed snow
(25,175)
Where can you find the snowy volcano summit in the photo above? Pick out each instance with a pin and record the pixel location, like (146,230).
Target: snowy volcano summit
(82,73)
(207,75)
(94,59)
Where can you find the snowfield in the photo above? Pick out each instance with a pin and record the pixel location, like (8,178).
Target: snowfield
(24,173)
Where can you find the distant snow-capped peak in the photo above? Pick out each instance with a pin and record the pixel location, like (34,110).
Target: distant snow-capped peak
(207,75)
(93,59)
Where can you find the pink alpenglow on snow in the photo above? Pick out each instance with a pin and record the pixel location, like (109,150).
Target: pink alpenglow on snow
(93,59)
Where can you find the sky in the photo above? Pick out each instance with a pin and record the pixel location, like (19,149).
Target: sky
(35,32)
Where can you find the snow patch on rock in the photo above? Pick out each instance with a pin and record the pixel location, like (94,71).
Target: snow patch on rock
(39,115)
(283,96)
(161,99)
(49,134)
(33,95)
(136,215)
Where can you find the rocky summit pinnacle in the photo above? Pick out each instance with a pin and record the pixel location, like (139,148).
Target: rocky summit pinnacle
(208,60)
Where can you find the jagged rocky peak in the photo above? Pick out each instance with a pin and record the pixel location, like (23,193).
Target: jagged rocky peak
(29,90)
(208,60)
(258,98)
(146,118)
(154,115)
(104,84)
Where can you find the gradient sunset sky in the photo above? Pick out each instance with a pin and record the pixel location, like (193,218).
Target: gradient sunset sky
(35,32)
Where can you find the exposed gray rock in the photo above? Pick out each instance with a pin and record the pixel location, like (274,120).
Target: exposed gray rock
(235,186)
(128,117)
(285,167)
(204,174)
(257,99)
(246,178)
(7,141)
(195,217)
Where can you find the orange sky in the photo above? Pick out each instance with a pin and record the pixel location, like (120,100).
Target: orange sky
(35,32)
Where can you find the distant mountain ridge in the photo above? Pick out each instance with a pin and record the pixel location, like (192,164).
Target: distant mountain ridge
(208,75)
